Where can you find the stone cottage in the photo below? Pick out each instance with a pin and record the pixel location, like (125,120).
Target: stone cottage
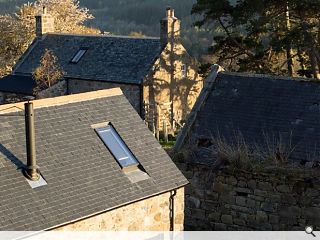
(85,162)
(251,151)
(157,75)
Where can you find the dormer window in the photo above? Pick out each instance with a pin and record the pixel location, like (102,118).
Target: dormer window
(184,70)
(117,147)
(77,57)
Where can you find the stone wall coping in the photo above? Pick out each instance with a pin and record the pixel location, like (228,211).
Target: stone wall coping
(62,100)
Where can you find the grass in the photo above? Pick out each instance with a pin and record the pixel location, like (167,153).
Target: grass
(167,145)
(273,151)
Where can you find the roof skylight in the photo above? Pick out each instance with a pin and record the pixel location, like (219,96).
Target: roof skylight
(117,147)
(79,55)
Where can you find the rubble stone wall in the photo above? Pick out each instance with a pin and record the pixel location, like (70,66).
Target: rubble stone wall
(239,200)
(151,214)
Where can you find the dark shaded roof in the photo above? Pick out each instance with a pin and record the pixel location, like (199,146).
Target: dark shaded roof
(108,58)
(261,108)
(83,177)
(17,84)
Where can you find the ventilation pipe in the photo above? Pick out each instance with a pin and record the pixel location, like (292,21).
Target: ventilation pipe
(31,170)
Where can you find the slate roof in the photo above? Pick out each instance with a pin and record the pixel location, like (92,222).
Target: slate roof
(261,108)
(83,177)
(17,84)
(108,58)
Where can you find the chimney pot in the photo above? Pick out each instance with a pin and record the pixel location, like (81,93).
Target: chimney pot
(44,23)
(172,13)
(169,28)
(168,9)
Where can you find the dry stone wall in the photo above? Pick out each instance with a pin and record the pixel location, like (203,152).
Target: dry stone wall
(151,214)
(58,89)
(6,98)
(238,200)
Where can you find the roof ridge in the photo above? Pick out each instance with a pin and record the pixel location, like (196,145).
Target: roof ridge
(102,35)
(207,88)
(62,100)
(269,76)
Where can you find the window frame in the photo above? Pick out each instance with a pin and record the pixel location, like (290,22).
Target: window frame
(79,55)
(121,144)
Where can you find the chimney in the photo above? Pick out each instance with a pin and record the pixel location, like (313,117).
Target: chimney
(31,170)
(169,28)
(44,23)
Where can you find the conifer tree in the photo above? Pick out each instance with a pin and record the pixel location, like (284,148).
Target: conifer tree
(265,36)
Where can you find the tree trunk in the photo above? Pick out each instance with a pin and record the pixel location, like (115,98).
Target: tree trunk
(288,47)
(313,61)
(301,60)
(309,41)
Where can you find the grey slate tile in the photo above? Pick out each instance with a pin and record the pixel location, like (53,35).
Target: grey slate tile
(109,58)
(260,106)
(83,177)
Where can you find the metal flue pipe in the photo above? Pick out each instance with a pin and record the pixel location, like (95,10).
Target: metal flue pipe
(31,170)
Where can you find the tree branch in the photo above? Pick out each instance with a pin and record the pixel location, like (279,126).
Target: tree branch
(246,51)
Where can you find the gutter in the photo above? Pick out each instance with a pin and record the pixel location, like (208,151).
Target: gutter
(171,208)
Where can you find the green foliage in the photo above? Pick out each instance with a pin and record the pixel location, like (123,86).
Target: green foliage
(264,36)
(127,16)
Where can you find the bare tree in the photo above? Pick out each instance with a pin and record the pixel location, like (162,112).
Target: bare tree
(48,72)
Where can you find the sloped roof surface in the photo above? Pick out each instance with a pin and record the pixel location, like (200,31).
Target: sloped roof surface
(17,84)
(108,58)
(264,110)
(82,176)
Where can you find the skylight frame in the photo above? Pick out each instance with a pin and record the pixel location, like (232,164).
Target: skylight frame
(78,56)
(125,159)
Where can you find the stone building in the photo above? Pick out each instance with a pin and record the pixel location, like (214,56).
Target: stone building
(251,151)
(92,165)
(157,75)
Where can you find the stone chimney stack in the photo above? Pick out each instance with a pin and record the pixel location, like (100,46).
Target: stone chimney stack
(169,28)
(44,23)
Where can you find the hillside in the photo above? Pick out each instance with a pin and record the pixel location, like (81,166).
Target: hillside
(123,17)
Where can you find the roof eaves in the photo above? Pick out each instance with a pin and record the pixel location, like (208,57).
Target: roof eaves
(100,35)
(115,207)
(270,77)
(17,92)
(88,78)
(209,84)
(62,100)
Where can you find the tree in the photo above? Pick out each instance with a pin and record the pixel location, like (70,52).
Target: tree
(17,31)
(13,42)
(264,36)
(48,72)
(69,16)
